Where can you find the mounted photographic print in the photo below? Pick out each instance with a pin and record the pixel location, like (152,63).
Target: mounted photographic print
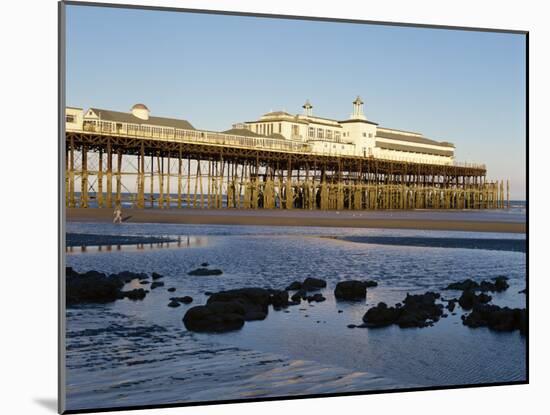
(259,207)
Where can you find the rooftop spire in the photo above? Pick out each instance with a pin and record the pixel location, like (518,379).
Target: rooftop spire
(358,109)
(307,108)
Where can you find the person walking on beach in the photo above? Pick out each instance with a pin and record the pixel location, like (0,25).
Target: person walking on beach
(117,215)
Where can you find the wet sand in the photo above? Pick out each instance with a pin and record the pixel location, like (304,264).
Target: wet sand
(472,221)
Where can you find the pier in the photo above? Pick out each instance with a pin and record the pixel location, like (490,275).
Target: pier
(171,167)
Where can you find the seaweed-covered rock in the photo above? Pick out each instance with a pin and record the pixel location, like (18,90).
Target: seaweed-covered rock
(204,272)
(497,318)
(215,317)
(311,284)
(351,290)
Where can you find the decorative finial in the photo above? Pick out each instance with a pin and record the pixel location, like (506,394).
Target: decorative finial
(307,108)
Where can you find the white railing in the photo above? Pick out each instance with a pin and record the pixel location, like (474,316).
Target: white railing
(194,136)
(221,139)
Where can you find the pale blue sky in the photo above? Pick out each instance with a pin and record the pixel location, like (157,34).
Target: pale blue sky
(215,70)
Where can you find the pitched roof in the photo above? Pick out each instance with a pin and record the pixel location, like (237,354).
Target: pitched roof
(414,149)
(412,139)
(126,117)
(247,133)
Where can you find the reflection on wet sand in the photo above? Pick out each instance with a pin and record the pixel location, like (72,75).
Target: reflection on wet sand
(180,242)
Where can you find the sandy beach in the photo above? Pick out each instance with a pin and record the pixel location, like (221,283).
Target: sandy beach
(473,221)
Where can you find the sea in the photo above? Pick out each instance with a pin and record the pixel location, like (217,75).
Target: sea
(129,353)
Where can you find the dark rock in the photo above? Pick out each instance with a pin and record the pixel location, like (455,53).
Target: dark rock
(467,284)
(127,276)
(293,303)
(417,311)
(254,301)
(135,294)
(278,298)
(215,317)
(173,303)
(204,264)
(91,287)
(340,311)
(143,282)
(204,272)
(156,284)
(293,286)
(351,290)
(351,326)
(311,284)
(184,300)
(296,297)
(497,284)
(381,315)
(524,291)
(500,284)
(497,318)
(208,293)
(371,283)
(171,289)
(469,298)
(452,304)
(156,276)
(318,298)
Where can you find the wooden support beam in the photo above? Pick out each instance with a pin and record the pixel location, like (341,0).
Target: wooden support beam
(99,194)
(109,175)
(84,178)
(118,199)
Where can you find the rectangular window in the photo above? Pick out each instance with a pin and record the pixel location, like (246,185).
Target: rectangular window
(320,133)
(70,118)
(280,128)
(329,134)
(364,134)
(295,130)
(337,135)
(311,132)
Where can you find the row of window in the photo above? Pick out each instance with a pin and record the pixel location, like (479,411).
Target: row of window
(267,129)
(322,133)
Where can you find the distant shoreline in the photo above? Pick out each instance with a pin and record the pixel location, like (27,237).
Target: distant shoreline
(423,220)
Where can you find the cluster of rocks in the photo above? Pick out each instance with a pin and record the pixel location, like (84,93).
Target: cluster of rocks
(353,290)
(303,288)
(177,301)
(228,310)
(498,284)
(488,315)
(497,318)
(420,310)
(204,271)
(98,287)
